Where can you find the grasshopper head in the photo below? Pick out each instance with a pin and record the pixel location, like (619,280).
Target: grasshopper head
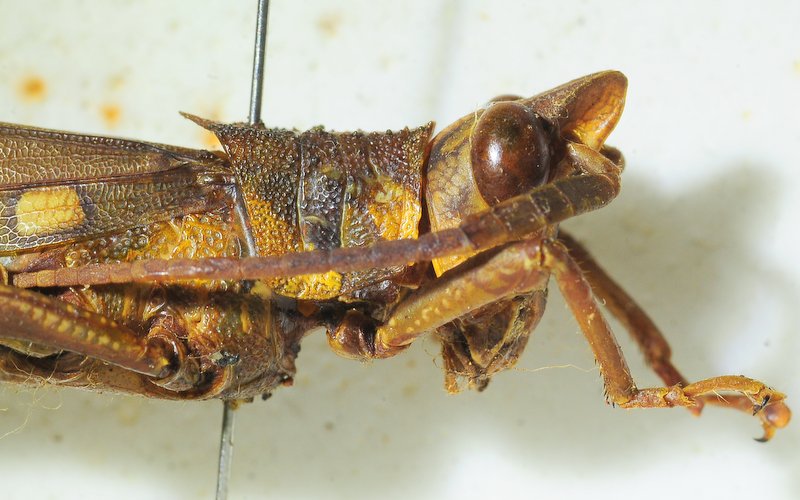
(509,147)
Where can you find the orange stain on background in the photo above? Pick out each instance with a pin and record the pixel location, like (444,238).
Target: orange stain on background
(328,24)
(33,89)
(111,114)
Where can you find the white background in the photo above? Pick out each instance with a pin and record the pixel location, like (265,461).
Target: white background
(704,235)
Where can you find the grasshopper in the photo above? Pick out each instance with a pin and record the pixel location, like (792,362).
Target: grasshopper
(350,334)
(100,232)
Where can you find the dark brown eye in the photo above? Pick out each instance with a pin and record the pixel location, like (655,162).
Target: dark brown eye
(510,153)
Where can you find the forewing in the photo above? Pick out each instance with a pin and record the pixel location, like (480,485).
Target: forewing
(58,187)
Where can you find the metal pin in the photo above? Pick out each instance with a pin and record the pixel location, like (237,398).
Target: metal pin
(225,450)
(257,84)
(254,117)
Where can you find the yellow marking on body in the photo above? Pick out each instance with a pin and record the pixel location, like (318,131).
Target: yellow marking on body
(311,286)
(244,318)
(185,248)
(275,236)
(63,327)
(115,345)
(194,223)
(262,290)
(103,340)
(128,304)
(395,210)
(50,319)
(389,194)
(48,210)
(528,264)
(37,313)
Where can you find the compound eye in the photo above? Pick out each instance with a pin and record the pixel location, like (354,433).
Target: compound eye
(510,151)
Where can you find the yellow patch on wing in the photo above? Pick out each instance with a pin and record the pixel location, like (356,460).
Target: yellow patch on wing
(48,210)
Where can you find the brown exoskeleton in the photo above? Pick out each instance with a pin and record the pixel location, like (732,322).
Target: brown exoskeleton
(128,264)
